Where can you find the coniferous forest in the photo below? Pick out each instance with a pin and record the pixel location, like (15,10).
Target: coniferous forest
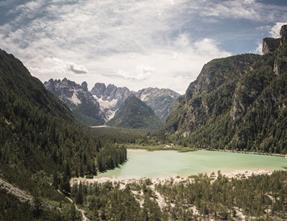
(197,198)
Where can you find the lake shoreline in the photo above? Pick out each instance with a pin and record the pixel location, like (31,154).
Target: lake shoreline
(185,165)
(235,174)
(190,149)
(160,148)
(248,152)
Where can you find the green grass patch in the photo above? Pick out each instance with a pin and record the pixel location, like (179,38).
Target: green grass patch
(160,147)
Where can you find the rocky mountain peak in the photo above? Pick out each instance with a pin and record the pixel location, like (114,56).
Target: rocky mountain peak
(270,45)
(160,100)
(85,86)
(98,89)
(78,98)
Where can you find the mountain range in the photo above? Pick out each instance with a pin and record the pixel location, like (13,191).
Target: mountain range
(238,102)
(100,104)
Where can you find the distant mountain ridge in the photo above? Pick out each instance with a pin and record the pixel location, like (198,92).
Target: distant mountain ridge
(100,105)
(238,102)
(78,99)
(160,100)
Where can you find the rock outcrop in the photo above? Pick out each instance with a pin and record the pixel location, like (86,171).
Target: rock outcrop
(283,34)
(270,45)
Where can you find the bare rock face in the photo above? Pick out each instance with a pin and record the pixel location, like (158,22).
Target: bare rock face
(283,34)
(99,89)
(280,63)
(270,45)
(84,86)
(79,100)
(160,100)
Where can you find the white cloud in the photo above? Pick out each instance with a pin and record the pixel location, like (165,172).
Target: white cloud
(77,69)
(233,9)
(129,43)
(275,30)
(253,10)
(258,49)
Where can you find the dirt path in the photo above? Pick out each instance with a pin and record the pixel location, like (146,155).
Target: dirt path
(84,218)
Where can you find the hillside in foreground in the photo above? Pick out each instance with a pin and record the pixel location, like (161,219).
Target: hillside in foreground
(41,145)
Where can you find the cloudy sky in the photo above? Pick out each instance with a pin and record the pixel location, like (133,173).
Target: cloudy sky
(133,43)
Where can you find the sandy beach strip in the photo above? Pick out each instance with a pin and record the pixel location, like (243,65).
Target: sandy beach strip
(238,174)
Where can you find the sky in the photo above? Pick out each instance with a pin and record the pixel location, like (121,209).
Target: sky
(134,43)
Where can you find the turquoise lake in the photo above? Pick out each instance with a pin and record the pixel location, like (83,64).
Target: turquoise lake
(152,164)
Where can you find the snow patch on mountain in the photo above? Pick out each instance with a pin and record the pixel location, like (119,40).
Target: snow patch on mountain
(74,99)
(110,114)
(106,104)
(144,97)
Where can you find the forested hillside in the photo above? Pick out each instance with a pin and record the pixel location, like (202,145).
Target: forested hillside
(41,146)
(134,113)
(237,102)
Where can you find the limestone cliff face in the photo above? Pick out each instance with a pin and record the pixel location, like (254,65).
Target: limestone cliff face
(270,45)
(237,102)
(283,34)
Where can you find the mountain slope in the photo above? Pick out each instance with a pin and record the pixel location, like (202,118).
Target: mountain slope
(41,146)
(77,97)
(110,98)
(134,113)
(237,102)
(160,100)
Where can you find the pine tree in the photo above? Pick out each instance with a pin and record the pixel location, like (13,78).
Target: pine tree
(80,195)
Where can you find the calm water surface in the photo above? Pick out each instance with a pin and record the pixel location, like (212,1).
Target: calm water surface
(153,164)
